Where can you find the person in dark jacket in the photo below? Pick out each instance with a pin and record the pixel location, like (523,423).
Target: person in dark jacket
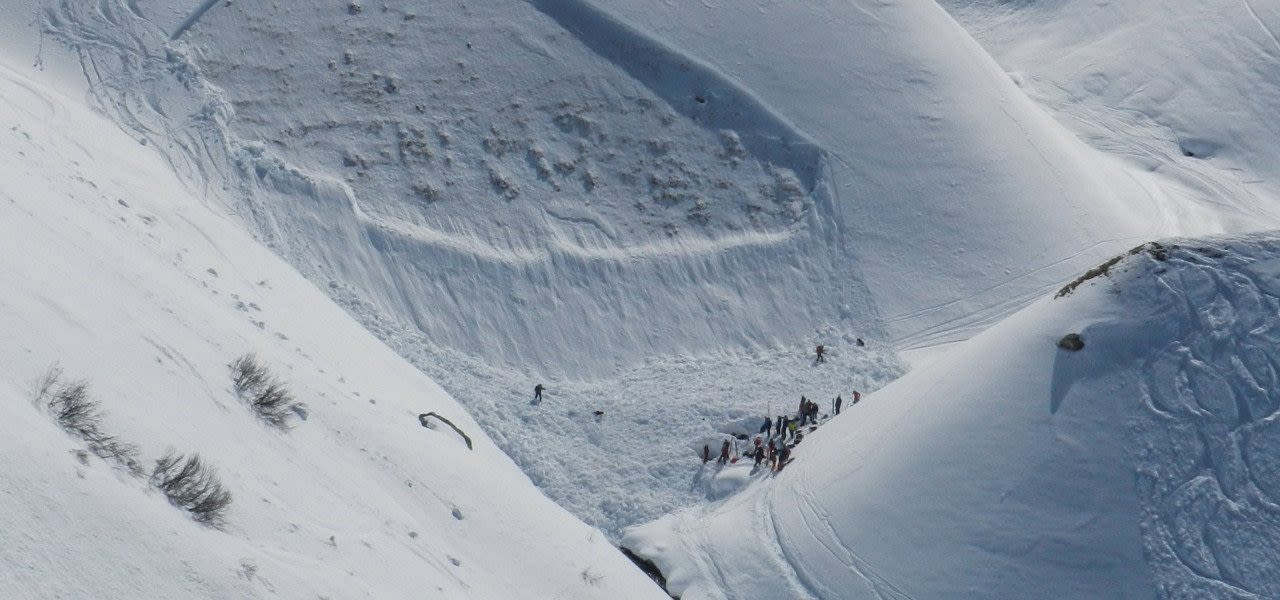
(839,401)
(537,392)
(778,423)
(768,424)
(821,352)
(724,453)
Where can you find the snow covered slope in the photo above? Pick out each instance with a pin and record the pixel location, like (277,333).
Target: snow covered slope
(1141,466)
(645,207)
(1187,90)
(111,268)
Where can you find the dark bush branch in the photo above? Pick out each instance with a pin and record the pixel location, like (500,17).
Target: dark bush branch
(266,395)
(192,485)
(80,415)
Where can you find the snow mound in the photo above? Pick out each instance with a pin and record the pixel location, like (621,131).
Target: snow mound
(113,270)
(1141,465)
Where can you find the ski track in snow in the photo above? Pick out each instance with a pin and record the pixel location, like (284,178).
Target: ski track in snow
(1207,471)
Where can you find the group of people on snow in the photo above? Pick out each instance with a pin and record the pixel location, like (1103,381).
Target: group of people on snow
(776,437)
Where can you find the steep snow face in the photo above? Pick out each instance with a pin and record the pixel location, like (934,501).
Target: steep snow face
(1140,466)
(112,269)
(1188,90)
(960,199)
(547,186)
(485,177)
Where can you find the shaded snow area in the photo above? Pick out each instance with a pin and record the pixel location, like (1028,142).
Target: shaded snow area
(113,271)
(651,213)
(1143,465)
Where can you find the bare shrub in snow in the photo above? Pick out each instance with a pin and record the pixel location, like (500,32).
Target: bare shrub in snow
(266,395)
(192,485)
(80,415)
(248,374)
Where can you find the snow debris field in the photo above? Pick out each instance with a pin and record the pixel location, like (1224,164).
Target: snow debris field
(657,211)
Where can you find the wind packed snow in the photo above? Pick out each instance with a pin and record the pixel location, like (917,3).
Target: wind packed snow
(658,211)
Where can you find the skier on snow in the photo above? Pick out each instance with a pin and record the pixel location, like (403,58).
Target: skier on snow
(537,393)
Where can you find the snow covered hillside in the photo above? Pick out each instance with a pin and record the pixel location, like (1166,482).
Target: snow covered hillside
(640,206)
(111,269)
(1143,465)
(1187,90)
(657,210)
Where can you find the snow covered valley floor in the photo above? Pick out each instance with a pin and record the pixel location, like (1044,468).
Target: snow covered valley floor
(657,211)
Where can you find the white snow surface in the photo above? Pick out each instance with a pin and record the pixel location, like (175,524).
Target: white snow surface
(1142,466)
(645,207)
(113,270)
(658,210)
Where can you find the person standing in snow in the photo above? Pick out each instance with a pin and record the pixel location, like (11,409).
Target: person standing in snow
(791,429)
(758,453)
(706,453)
(856,396)
(778,424)
(537,393)
(839,401)
(768,424)
(783,457)
(821,352)
(724,453)
(801,412)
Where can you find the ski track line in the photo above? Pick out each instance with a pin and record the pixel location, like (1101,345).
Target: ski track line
(881,585)
(981,317)
(1248,6)
(768,515)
